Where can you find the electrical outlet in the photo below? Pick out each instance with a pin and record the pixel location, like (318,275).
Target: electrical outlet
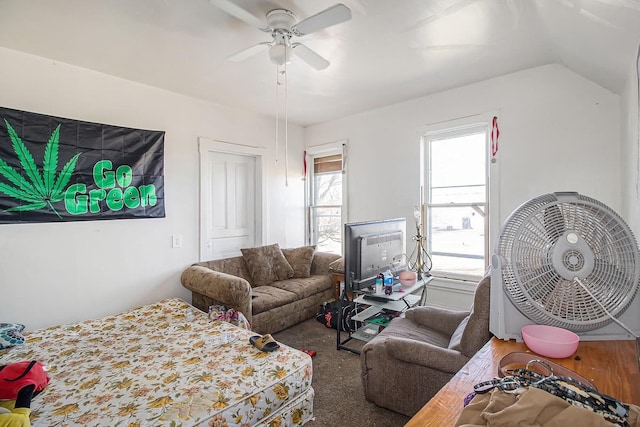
(176,241)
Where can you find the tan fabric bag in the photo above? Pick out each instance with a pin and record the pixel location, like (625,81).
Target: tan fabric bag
(529,406)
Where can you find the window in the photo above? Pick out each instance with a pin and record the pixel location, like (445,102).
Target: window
(456,185)
(325,198)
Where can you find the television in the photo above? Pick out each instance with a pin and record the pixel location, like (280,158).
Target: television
(373,247)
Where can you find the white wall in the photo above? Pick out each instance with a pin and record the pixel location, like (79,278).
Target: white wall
(630,159)
(59,273)
(558,132)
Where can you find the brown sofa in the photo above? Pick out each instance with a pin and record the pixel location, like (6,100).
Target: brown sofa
(415,356)
(273,288)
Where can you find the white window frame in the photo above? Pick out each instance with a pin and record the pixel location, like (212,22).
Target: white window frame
(449,129)
(328,149)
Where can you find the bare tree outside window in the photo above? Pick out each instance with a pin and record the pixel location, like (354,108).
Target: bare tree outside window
(326,204)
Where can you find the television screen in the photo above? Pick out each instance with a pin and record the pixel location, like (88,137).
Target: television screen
(372,247)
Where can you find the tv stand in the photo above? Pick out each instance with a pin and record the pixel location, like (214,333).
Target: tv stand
(399,301)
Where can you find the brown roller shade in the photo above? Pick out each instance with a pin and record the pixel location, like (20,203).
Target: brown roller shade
(327,164)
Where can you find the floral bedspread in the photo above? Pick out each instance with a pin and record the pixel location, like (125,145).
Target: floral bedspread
(155,365)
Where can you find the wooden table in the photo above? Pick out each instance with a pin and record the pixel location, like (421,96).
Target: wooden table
(612,366)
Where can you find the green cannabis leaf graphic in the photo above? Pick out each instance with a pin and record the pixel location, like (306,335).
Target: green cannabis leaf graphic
(37,190)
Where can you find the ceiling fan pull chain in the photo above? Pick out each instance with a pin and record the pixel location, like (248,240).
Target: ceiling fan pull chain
(286,127)
(283,24)
(277,111)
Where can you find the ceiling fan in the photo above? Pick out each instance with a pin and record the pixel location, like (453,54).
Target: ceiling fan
(283,26)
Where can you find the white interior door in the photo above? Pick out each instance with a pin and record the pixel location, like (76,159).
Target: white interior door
(230,202)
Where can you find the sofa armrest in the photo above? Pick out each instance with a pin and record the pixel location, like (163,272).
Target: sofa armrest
(231,291)
(425,354)
(321,261)
(440,319)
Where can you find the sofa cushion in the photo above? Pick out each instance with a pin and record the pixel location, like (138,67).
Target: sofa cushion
(337,266)
(266,264)
(236,266)
(265,298)
(300,260)
(304,288)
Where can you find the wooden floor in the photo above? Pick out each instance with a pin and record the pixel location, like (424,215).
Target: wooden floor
(612,366)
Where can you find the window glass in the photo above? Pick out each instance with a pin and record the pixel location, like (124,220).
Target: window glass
(328,229)
(456,202)
(327,188)
(457,169)
(325,209)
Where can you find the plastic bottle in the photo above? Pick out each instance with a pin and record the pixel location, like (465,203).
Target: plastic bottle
(388,282)
(379,284)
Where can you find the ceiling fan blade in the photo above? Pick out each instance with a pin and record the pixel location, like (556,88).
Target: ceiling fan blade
(250,51)
(334,15)
(237,12)
(309,56)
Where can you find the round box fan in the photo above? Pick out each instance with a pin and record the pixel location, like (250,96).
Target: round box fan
(566,260)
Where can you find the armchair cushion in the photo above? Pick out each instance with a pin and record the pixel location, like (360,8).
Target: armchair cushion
(441,319)
(402,327)
(266,264)
(456,337)
(476,332)
(425,354)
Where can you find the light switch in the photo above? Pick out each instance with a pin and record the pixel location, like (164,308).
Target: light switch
(176,241)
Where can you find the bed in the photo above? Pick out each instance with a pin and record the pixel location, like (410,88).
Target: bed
(155,366)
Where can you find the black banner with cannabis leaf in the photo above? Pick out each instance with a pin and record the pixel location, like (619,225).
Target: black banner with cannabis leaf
(54,169)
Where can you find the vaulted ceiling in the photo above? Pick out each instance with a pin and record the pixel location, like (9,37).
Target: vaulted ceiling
(389,51)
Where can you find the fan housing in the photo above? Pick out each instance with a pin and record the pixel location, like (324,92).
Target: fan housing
(565,260)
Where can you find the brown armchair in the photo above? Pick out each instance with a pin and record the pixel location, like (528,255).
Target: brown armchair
(416,355)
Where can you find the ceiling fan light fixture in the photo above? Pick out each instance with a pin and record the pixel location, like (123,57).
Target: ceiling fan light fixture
(280,54)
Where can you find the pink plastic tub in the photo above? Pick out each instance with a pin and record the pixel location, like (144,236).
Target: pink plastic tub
(407,278)
(550,341)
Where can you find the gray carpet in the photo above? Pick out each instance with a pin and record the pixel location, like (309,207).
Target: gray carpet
(339,399)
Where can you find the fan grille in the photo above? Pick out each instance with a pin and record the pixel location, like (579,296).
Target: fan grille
(553,239)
